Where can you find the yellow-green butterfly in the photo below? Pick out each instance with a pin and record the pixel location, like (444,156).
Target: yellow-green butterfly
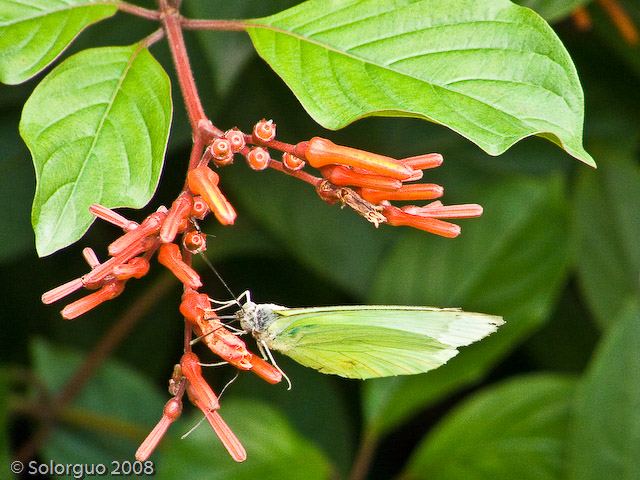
(365,341)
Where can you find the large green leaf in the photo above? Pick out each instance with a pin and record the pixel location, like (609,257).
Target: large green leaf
(511,262)
(606,431)
(516,430)
(97,127)
(34,32)
(608,225)
(490,70)
(274,450)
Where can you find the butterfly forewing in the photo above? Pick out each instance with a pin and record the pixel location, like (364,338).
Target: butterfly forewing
(375,341)
(451,326)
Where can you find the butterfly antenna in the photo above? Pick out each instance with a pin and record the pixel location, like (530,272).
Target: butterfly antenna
(197,339)
(216,364)
(228,383)
(193,428)
(210,265)
(273,362)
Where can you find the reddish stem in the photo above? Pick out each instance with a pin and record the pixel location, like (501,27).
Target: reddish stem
(170,18)
(304,176)
(198,24)
(138,11)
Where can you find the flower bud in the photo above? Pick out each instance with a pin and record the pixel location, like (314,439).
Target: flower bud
(258,158)
(264,131)
(195,241)
(291,162)
(236,139)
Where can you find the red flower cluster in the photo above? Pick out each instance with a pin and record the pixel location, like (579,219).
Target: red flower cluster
(362,180)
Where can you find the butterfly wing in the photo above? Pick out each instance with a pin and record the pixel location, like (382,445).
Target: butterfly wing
(375,341)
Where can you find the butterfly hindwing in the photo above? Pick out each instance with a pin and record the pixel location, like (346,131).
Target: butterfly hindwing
(348,352)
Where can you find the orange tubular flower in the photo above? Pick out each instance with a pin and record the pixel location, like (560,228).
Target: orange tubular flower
(204,182)
(169,256)
(113,217)
(202,396)
(150,226)
(413,191)
(320,152)
(180,210)
(107,292)
(62,291)
(101,271)
(341,175)
(196,308)
(437,210)
(396,216)
(137,267)
(424,162)
(265,370)
(171,413)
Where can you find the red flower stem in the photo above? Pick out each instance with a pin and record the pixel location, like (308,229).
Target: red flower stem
(137,11)
(152,38)
(170,18)
(283,147)
(304,176)
(198,24)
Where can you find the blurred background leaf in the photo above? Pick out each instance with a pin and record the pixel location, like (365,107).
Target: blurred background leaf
(516,429)
(277,451)
(605,435)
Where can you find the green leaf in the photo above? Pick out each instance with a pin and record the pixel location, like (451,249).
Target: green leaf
(606,431)
(490,70)
(274,450)
(109,418)
(515,430)
(511,262)
(97,127)
(34,32)
(606,215)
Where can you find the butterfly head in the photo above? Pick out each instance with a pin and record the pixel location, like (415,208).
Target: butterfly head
(255,318)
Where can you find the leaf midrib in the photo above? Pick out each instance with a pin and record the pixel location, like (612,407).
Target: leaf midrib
(97,134)
(367,61)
